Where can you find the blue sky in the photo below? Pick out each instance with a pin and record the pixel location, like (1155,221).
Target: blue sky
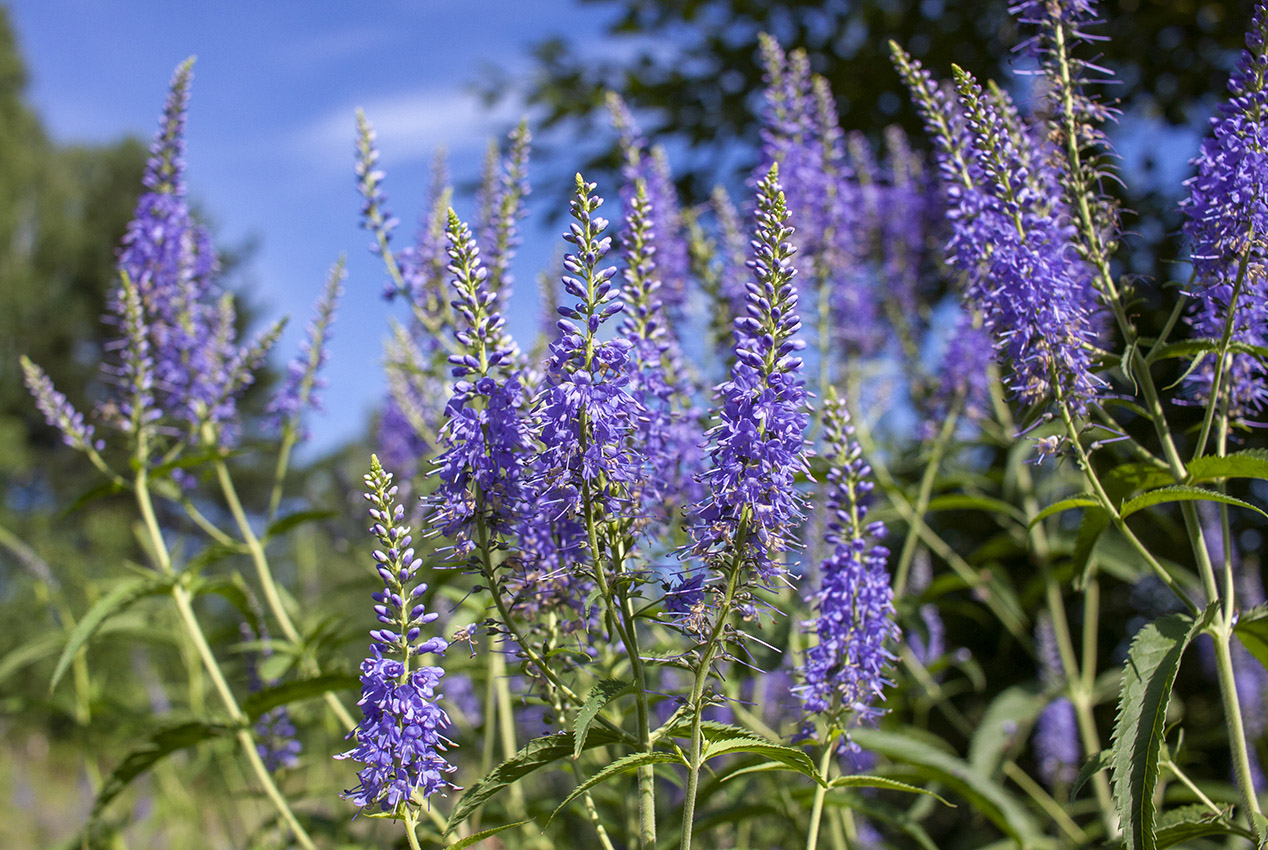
(270,134)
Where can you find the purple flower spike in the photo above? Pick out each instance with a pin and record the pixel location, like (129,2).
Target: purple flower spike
(302,380)
(587,413)
(58,412)
(399,739)
(650,165)
(1227,228)
(180,356)
(758,445)
(503,194)
(485,440)
(1056,733)
(846,671)
(668,431)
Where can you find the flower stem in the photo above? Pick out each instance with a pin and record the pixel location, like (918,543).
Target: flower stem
(180,593)
(816,809)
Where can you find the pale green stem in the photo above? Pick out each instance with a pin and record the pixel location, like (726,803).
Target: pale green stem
(923,497)
(181,595)
(269,586)
(816,809)
(1036,792)
(279,472)
(702,677)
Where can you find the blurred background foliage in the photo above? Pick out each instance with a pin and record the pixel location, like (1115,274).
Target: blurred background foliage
(693,77)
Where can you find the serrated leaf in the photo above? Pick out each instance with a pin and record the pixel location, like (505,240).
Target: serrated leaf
(1181,493)
(1091,766)
(159,745)
(965,501)
(1251,463)
(600,695)
(1252,631)
(625,764)
(266,699)
(295,520)
(1191,347)
(1152,664)
(124,594)
(791,757)
(986,796)
(1007,719)
(1083,500)
(476,838)
(536,754)
(1196,821)
(862,780)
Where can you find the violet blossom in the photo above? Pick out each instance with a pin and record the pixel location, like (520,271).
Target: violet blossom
(400,737)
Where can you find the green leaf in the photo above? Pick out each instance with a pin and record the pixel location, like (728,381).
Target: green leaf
(159,745)
(862,780)
(1152,664)
(600,695)
(1252,631)
(1083,500)
(965,501)
(1251,463)
(1091,766)
(101,491)
(791,757)
(536,754)
(295,520)
(266,699)
(1190,347)
(986,796)
(234,590)
(1181,493)
(26,654)
(1196,821)
(1095,521)
(1007,720)
(476,838)
(625,764)
(124,594)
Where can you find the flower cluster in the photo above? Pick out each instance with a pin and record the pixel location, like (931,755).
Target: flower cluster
(649,166)
(586,413)
(1056,733)
(667,432)
(197,367)
(846,671)
(485,441)
(802,134)
(302,379)
(275,732)
(400,737)
(758,445)
(1227,228)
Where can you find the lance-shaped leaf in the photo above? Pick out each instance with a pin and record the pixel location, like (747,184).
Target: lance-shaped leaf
(117,600)
(158,745)
(266,699)
(536,754)
(600,695)
(625,764)
(1152,664)
(1181,493)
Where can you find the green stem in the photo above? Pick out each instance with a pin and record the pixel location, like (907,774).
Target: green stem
(816,809)
(269,586)
(184,606)
(279,471)
(702,677)
(1223,634)
(922,498)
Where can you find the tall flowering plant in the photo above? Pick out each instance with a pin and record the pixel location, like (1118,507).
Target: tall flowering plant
(807,605)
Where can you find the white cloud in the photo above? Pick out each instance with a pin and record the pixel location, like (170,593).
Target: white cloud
(410,125)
